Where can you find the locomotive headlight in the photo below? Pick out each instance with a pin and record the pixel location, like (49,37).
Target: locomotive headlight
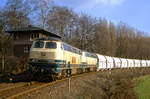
(42,70)
(53,69)
(33,60)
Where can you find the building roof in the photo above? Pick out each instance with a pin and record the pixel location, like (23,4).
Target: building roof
(32,29)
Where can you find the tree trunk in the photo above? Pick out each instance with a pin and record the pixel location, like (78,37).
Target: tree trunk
(3,63)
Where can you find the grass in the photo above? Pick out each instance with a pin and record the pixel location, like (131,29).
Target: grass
(143,87)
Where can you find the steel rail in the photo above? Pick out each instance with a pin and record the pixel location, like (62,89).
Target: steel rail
(12,87)
(46,85)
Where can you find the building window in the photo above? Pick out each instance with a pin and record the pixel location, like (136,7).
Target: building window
(34,36)
(16,36)
(26,49)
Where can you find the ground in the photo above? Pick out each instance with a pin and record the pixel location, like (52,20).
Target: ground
(114,84)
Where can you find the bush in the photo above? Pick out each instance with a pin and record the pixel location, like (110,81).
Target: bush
(14,65)
(115,84)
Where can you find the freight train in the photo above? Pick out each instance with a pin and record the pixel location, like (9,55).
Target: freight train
(53,58)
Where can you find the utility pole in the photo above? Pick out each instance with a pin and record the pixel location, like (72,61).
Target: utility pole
(3,63)
(69,84)
(69,76)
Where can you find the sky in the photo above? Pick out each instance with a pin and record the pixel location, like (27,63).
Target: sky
(135,13)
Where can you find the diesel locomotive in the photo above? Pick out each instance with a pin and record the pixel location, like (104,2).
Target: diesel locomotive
(52,57)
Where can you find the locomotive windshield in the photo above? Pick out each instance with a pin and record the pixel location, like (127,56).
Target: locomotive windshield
(38,44)
(50,45)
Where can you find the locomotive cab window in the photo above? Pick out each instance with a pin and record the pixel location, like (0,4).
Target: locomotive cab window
(51,45)
(38,44)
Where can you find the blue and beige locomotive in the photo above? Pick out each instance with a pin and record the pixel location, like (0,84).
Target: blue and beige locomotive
(52,57)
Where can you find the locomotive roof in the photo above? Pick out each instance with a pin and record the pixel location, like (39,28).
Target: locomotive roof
(32,29)
(49,38)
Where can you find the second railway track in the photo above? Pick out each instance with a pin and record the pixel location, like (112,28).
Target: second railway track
(11,91)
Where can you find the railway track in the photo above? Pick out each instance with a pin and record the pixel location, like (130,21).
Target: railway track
(10,91)
(20,91)
(9,87)
(5,86)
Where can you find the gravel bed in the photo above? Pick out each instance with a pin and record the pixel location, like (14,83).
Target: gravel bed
(78,87)
(115,84)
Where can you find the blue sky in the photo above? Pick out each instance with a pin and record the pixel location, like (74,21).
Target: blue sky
(2,3)
(136,13)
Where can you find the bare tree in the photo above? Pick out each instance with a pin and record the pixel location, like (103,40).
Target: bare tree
(4,46)
(16,14)
(60,20)
(40,11)
(80,30)
(84,32)
(102,37)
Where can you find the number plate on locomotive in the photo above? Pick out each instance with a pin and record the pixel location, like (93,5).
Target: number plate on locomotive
(43,54)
